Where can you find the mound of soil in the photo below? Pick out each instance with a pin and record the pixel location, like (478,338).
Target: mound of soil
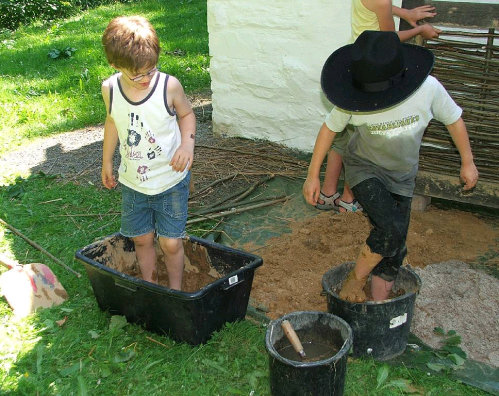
(454,297)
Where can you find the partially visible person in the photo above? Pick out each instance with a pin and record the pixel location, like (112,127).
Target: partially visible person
(150,118)
(368,15)
(383,89)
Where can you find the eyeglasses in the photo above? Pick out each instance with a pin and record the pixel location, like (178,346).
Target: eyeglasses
(141,76)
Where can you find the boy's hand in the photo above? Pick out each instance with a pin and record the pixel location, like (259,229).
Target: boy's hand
(311,190)
(469,175)
(428,31)
(182,158)
(416,14)
(108,179)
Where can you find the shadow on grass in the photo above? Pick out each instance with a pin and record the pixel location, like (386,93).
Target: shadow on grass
(91,352)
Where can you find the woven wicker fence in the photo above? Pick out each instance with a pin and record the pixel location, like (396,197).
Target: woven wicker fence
(467,64)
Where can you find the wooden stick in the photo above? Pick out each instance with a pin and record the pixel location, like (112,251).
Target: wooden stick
(231,212)
(231,205)
(238,195)
(253,187)
(231,176)
(38,247)
(293,338)
(256,154)
(157,342)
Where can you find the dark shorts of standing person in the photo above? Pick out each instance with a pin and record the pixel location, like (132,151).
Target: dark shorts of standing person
(389,215)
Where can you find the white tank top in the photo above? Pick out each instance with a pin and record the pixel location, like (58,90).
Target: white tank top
(149,135)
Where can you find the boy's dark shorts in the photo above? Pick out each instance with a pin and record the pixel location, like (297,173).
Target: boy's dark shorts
(389,215)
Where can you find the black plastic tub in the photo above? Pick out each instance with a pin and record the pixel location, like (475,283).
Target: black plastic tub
(380,328)
(290,377)
(189,317)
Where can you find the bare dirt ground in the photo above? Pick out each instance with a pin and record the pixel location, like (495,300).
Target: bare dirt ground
(445,245)
(454,296)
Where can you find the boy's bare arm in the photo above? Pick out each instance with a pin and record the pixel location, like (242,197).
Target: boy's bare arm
(312,185)
(385,11)
(110,142)
(413,15)
(184,155)
(459,134)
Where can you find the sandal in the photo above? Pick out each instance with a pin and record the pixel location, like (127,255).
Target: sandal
(353,206)
(328,202)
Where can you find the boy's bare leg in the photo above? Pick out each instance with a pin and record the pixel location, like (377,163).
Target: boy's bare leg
(352,289)
(146,255)
(346,196)
(380,288)
(332,174)
(173,249)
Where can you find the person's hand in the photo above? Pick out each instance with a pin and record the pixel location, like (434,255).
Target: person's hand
(108,179)
(428,31)
(469,176)
(182,158)
(311,190)
(416,14)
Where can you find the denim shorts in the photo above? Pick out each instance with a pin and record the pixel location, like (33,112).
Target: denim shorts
(389,215)
(164,213)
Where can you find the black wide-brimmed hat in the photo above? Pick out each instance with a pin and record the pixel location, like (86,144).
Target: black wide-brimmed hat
(375,72)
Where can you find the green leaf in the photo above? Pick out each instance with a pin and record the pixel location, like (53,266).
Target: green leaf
(403,384)
(39,358)
(453,340)
(117,322)
(439,330)
(451,332)
(382,375)
(82,386)
(124,356)
(234,391)
(54,53)
(68,371)
(105,372)
(214,365)
(152,364)
(455,349)
(456,359)
(436,367)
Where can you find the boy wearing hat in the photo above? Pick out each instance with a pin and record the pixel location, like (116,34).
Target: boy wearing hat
(369,15)
(382,87)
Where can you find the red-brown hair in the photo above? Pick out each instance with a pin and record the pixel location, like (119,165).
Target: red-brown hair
(131,43)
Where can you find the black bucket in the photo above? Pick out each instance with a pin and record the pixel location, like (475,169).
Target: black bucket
(296,377)
(380,328)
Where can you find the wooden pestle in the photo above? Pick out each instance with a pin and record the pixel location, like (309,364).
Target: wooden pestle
(293,338)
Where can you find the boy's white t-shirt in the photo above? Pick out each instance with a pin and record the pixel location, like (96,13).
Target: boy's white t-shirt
(386,144)
(149,135)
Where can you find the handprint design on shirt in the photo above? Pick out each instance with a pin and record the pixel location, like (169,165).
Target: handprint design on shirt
(141,144)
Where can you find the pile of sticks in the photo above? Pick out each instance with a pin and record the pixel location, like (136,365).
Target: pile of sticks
(467,64)
(229,179)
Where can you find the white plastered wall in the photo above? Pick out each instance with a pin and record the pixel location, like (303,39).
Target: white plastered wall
(266,60)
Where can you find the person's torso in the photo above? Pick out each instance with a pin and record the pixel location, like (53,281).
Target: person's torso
(362,19)
(149,135)
(386,144)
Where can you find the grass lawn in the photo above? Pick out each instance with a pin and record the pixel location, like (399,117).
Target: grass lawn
(94,353)
(40,95)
